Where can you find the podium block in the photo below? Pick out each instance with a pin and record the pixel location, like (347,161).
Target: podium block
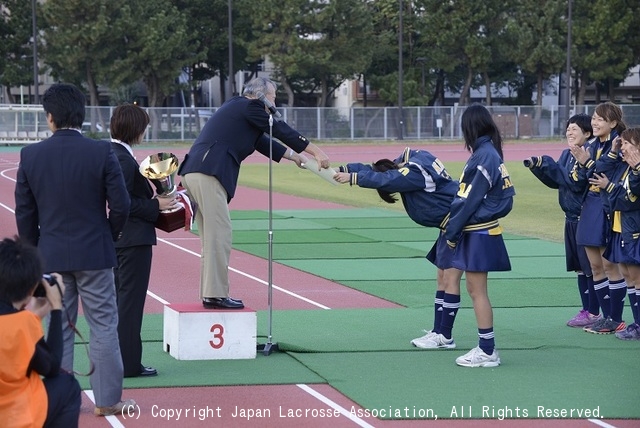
(194,333)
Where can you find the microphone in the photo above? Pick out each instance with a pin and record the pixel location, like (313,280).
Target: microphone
(269,104)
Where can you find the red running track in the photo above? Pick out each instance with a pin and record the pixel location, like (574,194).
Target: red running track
(175,279)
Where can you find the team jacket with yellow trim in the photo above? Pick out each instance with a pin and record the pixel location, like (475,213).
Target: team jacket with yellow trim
(425,186)
(564,175)
(485,194)
(623,193)
(599,150)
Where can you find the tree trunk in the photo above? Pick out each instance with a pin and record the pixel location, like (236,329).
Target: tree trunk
(581,87)
(322,102)
(610,86)
(537,113)
(464,94)
(155,100)
(94,100)
(364,90)
(487,84)
(289,91)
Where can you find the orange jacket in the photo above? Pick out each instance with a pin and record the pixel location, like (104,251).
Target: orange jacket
(23,398)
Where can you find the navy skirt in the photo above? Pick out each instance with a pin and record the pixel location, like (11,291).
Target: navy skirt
(617,253)
(476,251)
(593,226)
(575,254)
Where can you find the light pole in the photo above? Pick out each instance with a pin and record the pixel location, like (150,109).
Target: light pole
(421,60)
(400,128)
(568,72)
(230,77)
(35,52)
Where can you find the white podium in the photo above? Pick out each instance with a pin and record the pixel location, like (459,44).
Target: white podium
(194,333)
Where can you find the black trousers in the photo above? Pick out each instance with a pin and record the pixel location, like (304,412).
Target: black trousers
(63,393)
(132,281)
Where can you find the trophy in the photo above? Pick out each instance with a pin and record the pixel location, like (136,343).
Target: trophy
(160,169)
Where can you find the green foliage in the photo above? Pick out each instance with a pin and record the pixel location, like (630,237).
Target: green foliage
(16,48)
(316,44)
(156,47)
(319,42)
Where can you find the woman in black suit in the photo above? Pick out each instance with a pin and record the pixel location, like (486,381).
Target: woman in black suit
(128,125)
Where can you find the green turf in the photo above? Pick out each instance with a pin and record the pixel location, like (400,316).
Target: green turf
(325,250)
(365,353)
(278,368)
(505,293)
(552,378)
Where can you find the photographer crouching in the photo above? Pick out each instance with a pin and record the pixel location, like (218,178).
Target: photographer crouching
(26,398)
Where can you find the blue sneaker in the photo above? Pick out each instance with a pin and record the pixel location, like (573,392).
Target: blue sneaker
(632,332)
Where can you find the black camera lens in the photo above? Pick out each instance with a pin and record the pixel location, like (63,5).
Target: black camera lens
(40,291)
(50,279)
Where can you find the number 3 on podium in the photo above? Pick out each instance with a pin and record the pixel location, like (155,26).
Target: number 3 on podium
(218,332)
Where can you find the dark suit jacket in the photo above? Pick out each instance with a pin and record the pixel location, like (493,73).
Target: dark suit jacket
(235,131)
(139,229)
(71,201)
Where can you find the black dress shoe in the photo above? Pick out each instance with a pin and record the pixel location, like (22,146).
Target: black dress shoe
(148,371)
(221,303)
(144,371)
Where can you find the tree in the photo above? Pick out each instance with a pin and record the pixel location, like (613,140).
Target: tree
(313,44)
(155,47)
(79,47)
(538,34)
(16,49)
(603,33)
(208,29)
(460,31)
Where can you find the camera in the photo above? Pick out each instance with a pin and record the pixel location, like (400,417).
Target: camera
(40,291)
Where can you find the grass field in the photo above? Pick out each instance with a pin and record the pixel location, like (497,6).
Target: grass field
(536,212)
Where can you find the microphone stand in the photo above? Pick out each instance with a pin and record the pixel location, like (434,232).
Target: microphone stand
(270,347)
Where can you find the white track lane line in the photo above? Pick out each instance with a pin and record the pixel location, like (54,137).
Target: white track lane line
(164,302)
(275,287)
(601,423)
(113,420)
(319,396)
(334,405)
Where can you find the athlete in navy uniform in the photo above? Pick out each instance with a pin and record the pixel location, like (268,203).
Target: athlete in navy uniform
(621,184)
(564,175)
(473,235)
(595,224)
(426,190)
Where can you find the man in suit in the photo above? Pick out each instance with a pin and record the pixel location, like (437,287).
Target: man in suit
(210,175)
(72,203)
(134,249)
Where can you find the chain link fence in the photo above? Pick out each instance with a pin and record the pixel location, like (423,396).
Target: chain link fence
(25,124)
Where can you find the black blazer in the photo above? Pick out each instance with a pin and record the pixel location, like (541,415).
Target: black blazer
(235,131)
(139,229)
(71,201)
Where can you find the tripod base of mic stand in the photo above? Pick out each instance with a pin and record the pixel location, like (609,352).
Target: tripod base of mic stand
(268,348)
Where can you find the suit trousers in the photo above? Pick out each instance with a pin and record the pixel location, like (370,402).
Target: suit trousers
(96,289)
(214,227)
(132,281)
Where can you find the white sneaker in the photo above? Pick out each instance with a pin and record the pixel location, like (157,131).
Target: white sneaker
(433,341)
(477,358)
(421,338)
